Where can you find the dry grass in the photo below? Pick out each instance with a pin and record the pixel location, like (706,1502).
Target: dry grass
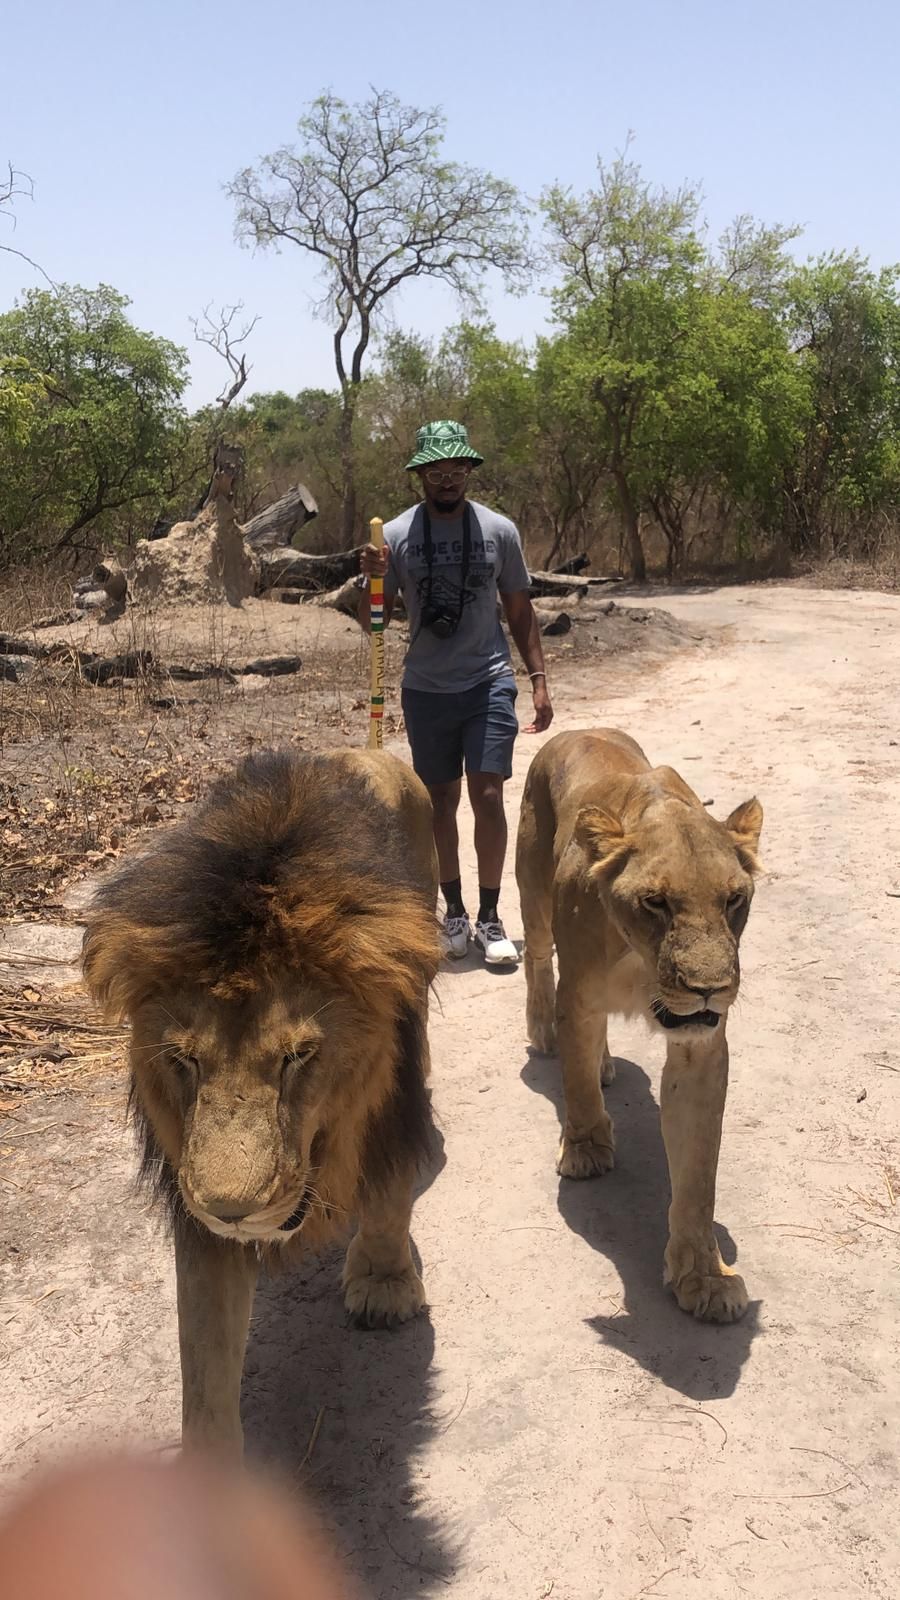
(28,594)
(87,766)
(49,1044)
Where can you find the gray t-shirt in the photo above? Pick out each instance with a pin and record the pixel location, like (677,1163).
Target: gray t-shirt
(477,652)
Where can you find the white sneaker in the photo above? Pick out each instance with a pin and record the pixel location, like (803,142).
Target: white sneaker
(457,933)
(498,950)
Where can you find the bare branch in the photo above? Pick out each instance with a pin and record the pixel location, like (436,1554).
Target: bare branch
(219,333)
(17,185)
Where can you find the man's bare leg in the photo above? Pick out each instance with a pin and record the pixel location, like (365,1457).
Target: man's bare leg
(486,796)
(445,803)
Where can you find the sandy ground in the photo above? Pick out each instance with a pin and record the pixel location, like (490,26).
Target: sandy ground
(555,1426)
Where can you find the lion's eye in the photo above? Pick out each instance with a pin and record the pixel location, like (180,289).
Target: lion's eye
(299,1057)
(656,903)
(186,1066)
(735,903)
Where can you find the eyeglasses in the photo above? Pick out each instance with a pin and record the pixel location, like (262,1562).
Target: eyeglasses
(435,476)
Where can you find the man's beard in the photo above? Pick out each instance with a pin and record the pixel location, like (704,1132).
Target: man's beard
(445,504)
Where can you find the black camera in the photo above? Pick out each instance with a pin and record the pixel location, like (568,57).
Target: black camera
(441,619)
(443,624)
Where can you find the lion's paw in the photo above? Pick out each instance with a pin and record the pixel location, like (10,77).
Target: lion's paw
(711,1296)
(378,1302)
(542,1035)
(607,1069)
(590,1157)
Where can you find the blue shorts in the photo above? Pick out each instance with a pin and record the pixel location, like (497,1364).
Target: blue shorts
(478,726)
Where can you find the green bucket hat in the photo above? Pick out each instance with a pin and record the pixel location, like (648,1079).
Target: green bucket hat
(443,441)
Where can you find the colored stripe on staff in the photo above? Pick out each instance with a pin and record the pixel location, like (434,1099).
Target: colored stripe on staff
(376,629)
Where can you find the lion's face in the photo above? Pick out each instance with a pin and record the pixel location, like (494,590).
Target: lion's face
(242,1095)
(677,889)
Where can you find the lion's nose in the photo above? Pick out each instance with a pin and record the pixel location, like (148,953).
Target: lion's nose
(705,991)
(228,1210)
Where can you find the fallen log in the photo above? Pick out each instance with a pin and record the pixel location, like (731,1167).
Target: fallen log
(272,666)
(569,568)
(278,524)
(294,569)
(198,672)
(346,600)
(560,624)
(552,583)
(100,669)
(556,586)
(10,646)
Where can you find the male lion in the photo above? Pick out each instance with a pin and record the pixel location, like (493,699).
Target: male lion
(645,897)
(273,956)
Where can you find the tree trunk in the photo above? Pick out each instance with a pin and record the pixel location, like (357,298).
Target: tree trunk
(234,564)
(277,525)
(632,521)
(294,569)
(348,474)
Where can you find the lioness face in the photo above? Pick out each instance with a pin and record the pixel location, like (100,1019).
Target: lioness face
(241,1095)
(678,890)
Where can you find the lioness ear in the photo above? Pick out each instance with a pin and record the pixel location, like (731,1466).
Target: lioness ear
(745,827)
(601,837)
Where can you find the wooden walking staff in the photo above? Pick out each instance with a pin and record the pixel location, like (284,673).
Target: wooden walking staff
(376,613)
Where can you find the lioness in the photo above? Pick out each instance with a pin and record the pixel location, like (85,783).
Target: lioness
(645,897)
(273,955)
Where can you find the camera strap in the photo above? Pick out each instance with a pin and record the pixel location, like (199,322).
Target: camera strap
(466,555)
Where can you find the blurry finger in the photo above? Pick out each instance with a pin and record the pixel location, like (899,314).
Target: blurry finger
(136,1530)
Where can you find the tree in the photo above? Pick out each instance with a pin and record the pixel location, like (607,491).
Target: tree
(569,467)
(370,196)
(220,332)
(630,262)
(105,426)
(843,319)
(726,424)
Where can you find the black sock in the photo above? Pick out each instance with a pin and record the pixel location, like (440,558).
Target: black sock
(452,893)
(487,904)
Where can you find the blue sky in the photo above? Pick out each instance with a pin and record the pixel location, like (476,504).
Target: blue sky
(130,117)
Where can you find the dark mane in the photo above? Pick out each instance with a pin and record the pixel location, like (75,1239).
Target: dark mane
(288,863)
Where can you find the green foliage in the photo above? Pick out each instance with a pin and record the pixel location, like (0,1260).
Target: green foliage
(21,391)
(844,324)
(697,401)
(690,403)
(90,427)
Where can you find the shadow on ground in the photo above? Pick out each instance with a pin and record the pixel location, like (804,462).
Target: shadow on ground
(344,1415)
(624,1216)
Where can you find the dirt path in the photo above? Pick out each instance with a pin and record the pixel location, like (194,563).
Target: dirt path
(558,1427)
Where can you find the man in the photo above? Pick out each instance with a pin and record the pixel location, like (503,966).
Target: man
(450,558)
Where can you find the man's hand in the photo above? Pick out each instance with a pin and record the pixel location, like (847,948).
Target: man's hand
(101,1530)
(543,709)
(373,563)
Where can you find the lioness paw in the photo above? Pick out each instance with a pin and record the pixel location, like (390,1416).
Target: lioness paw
(607,1069)
(711,1297)
(379,1302)
(590,1157)
(542,1035)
